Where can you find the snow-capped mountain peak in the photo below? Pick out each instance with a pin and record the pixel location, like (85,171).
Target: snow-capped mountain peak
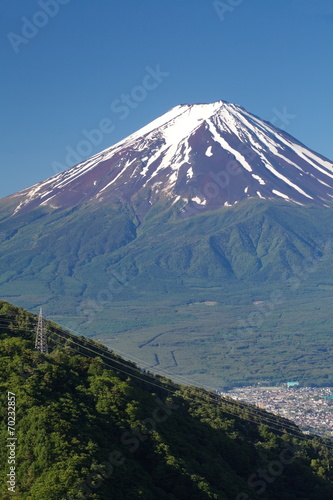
(206,155)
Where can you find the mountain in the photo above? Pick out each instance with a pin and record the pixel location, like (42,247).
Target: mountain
(91,425)
(200,246)
(206,154)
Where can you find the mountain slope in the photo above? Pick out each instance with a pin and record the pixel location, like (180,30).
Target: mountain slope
(91,425)
(142,288)
(163,247)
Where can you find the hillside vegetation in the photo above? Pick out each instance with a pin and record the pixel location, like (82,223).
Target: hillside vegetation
(91,425)
(217,297)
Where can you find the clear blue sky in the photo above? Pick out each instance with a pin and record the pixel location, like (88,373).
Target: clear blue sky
(63,76)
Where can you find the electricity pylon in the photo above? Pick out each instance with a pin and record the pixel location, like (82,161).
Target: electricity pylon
(41,340)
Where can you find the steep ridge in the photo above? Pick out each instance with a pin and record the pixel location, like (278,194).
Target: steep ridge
(90,424)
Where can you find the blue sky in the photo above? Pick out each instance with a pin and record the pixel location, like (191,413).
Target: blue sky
(70,64)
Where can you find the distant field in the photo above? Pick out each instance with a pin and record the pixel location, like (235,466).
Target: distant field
(184,337)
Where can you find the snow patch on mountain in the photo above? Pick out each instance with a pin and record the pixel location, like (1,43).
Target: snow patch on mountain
(209,151)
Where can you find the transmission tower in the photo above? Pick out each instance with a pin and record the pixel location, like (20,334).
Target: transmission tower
(41,340)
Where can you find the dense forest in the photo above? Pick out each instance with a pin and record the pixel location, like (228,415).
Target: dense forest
(91,425)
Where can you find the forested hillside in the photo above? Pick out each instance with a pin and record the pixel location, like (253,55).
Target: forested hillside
(91,425)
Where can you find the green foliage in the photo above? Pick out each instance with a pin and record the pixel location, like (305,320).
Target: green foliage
(87,430)
(236,257)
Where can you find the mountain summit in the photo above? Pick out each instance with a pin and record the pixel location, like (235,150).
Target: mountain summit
(203,155)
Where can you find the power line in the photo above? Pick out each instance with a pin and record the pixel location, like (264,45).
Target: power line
(286,427)
(216,400)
